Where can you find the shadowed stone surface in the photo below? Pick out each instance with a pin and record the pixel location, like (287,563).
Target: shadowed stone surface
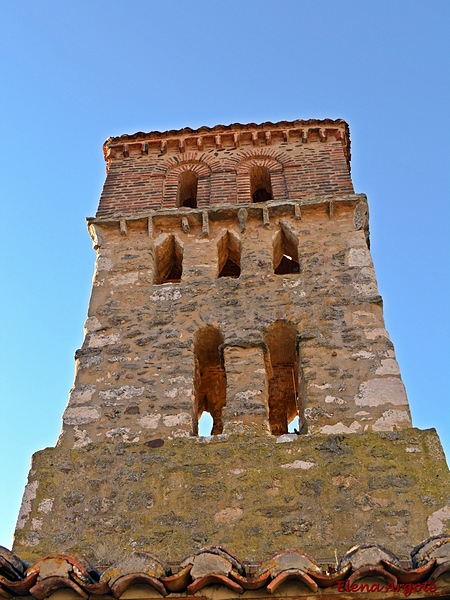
(246,493)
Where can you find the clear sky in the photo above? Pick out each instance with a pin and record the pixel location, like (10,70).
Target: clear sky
(74,73)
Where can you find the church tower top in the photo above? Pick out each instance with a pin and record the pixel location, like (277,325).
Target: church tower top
(303,158)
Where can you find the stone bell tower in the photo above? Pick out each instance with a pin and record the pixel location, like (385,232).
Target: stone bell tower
(234,277)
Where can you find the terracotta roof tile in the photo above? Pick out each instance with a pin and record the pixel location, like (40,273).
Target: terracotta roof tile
(224,128)
(215,565)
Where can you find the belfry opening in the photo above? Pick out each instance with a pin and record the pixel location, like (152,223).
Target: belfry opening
(284,380)
(210,380)
(260,184)
(187,189)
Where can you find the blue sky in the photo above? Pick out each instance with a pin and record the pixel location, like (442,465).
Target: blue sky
(73,74)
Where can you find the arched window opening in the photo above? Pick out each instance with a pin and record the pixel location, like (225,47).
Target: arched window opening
(187,189)
(260,184)
(284,384)
(285,254)
(210,379)
(169,261)
(229,256)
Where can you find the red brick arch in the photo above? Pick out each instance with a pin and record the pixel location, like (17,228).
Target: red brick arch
(203,172)
(275,168)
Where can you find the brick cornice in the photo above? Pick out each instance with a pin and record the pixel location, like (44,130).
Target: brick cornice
(251,134)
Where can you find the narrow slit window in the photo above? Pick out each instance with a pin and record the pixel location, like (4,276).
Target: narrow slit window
(260,184)
(210,381)
(284,380)
(169,261)
(187,189)
(229,256)
(285,254)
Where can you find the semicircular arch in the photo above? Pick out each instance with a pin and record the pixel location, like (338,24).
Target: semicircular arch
(173,180)
(245,165)
(245,172)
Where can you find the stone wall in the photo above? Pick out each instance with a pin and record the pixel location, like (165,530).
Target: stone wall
(136,371)
(252,494)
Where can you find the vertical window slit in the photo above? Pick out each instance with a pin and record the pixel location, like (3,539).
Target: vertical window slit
(284,381)
(285,254)
(210,380)
(260,184)
(229,256)
(169,261)
(187,189)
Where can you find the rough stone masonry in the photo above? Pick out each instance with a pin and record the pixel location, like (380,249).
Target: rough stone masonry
(234,277)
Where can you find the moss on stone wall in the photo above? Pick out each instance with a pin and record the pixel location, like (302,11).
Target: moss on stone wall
(253,495)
